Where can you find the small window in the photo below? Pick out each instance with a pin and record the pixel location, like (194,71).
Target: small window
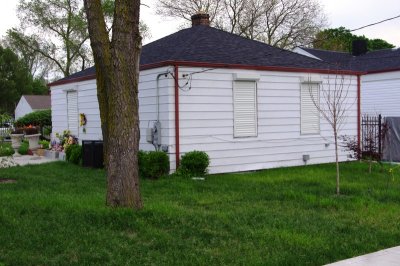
(245,109)
(309,111)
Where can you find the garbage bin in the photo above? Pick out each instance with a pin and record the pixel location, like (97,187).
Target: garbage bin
(92,153)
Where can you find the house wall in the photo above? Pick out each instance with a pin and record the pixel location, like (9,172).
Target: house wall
(206,122)
(88,104)
(380,94)
(206,118)
(22,108)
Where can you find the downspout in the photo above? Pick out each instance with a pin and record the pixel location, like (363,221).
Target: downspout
(359,111)
(177,146)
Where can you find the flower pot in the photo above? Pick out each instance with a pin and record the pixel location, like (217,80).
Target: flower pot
(33,141)
(16,140)
(41,152)
(51,154)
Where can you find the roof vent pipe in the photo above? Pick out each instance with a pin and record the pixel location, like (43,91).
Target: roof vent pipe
(200,18)
(359,47)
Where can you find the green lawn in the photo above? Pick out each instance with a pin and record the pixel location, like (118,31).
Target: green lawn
(55,215)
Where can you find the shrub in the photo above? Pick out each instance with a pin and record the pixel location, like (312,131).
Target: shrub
(194,163)
(38,118)
(153,164)
(24,149)
(73,154)
(6,149)
(44,144)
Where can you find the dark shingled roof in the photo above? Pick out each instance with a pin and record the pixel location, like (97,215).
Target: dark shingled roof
(38,102)
(379,60)
(205,44)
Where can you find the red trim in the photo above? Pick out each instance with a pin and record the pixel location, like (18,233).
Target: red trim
(177,135)
(220,65)
(382,71)
(359,111)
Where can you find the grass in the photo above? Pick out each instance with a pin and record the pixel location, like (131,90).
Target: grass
(55,215)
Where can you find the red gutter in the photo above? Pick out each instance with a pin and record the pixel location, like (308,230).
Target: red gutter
(359,111)
(220,65)
(177,134)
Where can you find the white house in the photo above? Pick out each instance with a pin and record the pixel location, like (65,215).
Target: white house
(245,103)
(380,77)
(30,103)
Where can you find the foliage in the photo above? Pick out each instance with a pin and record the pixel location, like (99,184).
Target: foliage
(6,149)
(24,148)
(15,80)
(341,39)
(194,163)
(38,118)
(73,154)
(285,216)
(153,164)
(281,23)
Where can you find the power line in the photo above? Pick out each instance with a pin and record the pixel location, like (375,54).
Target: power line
(375,23)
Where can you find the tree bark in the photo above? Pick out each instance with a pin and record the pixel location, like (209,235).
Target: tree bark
(117,75)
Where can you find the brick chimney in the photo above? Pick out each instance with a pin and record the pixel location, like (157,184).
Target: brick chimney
(200,18)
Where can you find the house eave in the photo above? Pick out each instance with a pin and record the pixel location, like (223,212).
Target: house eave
(220,65)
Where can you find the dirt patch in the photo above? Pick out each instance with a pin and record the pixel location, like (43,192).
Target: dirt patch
(7,181)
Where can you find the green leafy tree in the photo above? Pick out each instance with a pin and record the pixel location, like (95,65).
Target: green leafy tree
(117,75)
(15,80)
(340,39)
(53,38)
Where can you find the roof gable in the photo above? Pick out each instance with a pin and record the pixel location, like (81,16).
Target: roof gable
(38,102)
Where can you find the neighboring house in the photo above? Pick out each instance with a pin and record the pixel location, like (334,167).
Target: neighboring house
(380,79)
(30,103)
(245,103)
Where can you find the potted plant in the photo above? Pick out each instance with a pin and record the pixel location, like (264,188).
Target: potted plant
(43,146)
(32,135)
(16,139)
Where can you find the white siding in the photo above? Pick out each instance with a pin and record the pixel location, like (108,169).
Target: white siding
(207,118)
(88,104)
(22,108)
(380,94)
(206,122)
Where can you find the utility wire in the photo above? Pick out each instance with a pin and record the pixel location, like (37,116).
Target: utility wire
(375,23)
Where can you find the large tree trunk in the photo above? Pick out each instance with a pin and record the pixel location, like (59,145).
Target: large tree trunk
(117,74)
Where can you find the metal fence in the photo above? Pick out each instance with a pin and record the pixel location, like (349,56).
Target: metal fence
(371,136)
(6,126)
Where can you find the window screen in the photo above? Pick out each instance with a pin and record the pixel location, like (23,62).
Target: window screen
(245,108)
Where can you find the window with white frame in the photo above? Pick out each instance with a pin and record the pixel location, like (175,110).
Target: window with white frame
(244,109)
(310,117)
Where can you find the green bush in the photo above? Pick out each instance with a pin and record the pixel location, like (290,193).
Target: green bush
(73,154)
(38,118)
(6,149)
(153,164)
(194,163)
(44,144)
(23,150)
